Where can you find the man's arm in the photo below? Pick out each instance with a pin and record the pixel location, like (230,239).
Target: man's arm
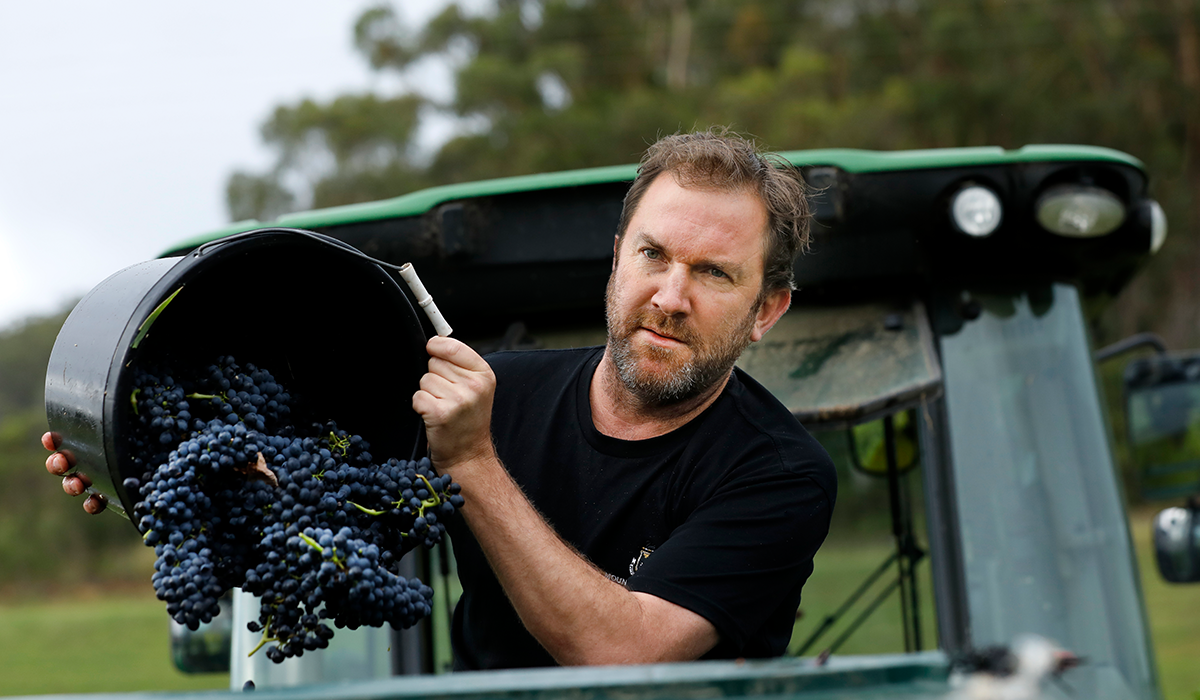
(577,613)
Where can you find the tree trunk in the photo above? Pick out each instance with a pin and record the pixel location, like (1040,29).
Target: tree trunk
(681,45)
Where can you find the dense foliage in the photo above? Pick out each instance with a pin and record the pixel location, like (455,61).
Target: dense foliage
(545,85)
(45,536)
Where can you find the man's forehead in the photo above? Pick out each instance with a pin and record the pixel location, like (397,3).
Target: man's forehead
(716,214)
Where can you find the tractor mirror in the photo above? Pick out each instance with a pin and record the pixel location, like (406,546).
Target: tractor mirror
(1177,544)
(1162,413)
(868,444)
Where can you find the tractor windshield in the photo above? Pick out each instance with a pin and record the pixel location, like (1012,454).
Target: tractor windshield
(1046,547)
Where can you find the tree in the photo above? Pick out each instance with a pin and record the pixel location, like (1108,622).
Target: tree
(43,534)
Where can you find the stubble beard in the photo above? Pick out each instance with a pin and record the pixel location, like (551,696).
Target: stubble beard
(688,375)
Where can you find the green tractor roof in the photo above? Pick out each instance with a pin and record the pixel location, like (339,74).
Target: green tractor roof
(525,246)
(849,160)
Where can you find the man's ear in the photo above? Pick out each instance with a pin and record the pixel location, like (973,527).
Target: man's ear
(616,251)
(773,307)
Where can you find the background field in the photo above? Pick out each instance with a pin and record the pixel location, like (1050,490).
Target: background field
(114,641)
(99,642)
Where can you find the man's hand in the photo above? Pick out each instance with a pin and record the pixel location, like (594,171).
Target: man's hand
(455,401)
(74,483)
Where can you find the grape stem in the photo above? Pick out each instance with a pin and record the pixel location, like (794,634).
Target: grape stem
(366,510)
(265,639)
(433,500)
(315,545)
(340,444)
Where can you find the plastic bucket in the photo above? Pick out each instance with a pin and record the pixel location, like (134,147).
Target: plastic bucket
(336,330)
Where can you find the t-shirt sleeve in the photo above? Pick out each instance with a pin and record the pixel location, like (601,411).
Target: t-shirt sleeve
(740,559)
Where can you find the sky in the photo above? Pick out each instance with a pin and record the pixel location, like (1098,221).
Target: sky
(120,122)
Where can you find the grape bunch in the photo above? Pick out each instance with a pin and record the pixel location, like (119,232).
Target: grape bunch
(234,493)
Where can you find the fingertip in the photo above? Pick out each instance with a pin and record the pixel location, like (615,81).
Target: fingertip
(447,343)
(57,464)
(51,441)
(95,504)
(72,486)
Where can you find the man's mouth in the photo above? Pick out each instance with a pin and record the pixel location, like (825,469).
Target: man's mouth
(660,335)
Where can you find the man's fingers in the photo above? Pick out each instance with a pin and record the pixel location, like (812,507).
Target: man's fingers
(448,369)
(455,352)
(76,484)
(437,386)
(436,406)
(424,403)
(95,504)
(58,464)
(51,441)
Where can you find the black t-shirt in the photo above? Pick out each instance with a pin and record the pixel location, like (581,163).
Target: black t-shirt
(721,516)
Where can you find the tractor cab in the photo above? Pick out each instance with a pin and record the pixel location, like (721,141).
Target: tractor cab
(938,346)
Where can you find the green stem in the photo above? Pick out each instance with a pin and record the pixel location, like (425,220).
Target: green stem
(337,443)
(312,543)
(265,641)
(368,511)
(433,500)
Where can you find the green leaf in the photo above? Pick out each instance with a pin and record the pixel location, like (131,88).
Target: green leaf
(145,327)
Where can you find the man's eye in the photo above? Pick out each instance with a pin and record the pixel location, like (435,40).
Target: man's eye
(651,254)
(717,272)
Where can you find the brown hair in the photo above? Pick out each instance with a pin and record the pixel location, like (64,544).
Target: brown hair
(720,159)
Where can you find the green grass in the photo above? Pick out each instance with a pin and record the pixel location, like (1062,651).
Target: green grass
(106,644)
(119,642)
(839,569)
(1174,612)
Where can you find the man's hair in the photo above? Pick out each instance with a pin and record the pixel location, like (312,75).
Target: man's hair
(722,160)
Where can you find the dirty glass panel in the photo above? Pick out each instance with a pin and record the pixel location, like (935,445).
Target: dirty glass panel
(841,364)
(1045,542)
(852,603)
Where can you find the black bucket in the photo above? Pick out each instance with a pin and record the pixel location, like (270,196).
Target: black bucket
(334,328)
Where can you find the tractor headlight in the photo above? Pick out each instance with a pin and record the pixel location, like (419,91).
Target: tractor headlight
(1080,211)
(1158,226)
(976,211)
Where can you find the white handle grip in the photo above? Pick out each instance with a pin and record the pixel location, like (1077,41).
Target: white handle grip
(425,300)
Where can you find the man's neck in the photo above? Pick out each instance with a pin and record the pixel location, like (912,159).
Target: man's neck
(617,413)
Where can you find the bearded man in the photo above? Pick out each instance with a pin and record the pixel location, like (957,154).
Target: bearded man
(644,501)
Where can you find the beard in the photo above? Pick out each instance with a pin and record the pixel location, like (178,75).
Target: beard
(690,370)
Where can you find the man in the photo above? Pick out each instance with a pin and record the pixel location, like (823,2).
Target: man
(644,501)
(653,461)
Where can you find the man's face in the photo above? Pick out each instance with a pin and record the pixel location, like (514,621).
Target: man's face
(683,299)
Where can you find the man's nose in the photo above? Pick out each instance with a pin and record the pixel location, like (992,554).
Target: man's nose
(671,297)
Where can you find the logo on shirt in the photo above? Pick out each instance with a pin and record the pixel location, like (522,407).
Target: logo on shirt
(637,561)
